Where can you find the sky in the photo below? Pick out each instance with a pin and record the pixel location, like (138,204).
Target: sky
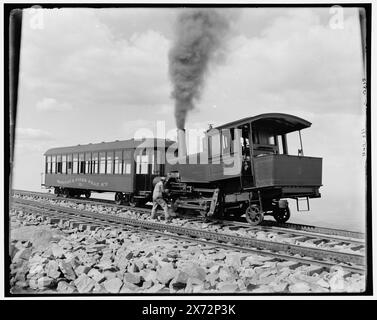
(93,75)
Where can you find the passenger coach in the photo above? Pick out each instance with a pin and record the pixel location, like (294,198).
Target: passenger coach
(120,166)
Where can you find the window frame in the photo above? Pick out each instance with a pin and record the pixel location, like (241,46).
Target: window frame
(118,162)
(102,162)
(75,163)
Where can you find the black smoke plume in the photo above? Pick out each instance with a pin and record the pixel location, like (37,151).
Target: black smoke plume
(200,36)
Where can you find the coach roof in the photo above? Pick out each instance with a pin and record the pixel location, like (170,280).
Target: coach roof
(104,146)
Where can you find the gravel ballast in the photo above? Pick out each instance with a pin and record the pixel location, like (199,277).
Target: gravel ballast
(47,258)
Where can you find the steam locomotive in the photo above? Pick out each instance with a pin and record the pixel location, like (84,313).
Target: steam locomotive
(244,169)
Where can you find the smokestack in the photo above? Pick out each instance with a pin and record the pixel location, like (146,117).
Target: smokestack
(181,140)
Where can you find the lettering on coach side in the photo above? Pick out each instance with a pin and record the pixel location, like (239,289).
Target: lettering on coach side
(81,181)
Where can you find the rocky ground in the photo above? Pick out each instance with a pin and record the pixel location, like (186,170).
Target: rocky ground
(50,258)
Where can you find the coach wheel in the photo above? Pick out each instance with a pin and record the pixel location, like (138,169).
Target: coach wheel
(87,194)
(282,215)
(126,200)
(65,193)
(133,202)
(254,215)
(57,191)
(118,198)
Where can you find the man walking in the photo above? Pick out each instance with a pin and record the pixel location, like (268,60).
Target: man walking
(158,200)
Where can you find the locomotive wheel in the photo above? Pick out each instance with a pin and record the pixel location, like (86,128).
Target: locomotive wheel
(118,198)
(254,215)
(87,194)
(282,215)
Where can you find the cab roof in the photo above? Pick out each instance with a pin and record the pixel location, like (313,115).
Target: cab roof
(104,146)
(280,123)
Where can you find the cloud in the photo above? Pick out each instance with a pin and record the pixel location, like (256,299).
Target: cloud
(32,134)
(50,104)
(296,64)
(91,67)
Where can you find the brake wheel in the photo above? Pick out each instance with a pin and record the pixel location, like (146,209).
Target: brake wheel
(254,215)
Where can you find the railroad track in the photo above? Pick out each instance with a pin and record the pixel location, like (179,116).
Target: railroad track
(351,262)
(306,229)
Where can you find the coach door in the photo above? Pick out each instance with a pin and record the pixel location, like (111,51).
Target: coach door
(246,170)
(142,172)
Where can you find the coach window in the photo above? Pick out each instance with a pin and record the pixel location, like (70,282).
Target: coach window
(75,163)
(127,156)
(88,158)
(64,164)
(53,166)
(59,164)
(95,162)
(215,145)
(48,164)
(81,163)
(225,136)
(109,162)
(118,162)
(102,162)
(69,164)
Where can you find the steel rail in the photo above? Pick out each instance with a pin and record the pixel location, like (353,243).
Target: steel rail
(61,215)
(292,249)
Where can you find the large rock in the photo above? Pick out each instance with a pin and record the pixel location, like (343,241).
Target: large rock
(179,281)
(64,287)
(150,276)
(52,269)
(84,284)
(105,264)
(96,275)
(194,285)
(299,287)
(57,251)
(33,283)
(67,270)
(45,282)
(130,286)
(131,278)
(82,270)
(235,260)
(195,271)
(225,274)
(166,273)
(35,269)
(155,288)
(227,286)
(113,285)
(23,254)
